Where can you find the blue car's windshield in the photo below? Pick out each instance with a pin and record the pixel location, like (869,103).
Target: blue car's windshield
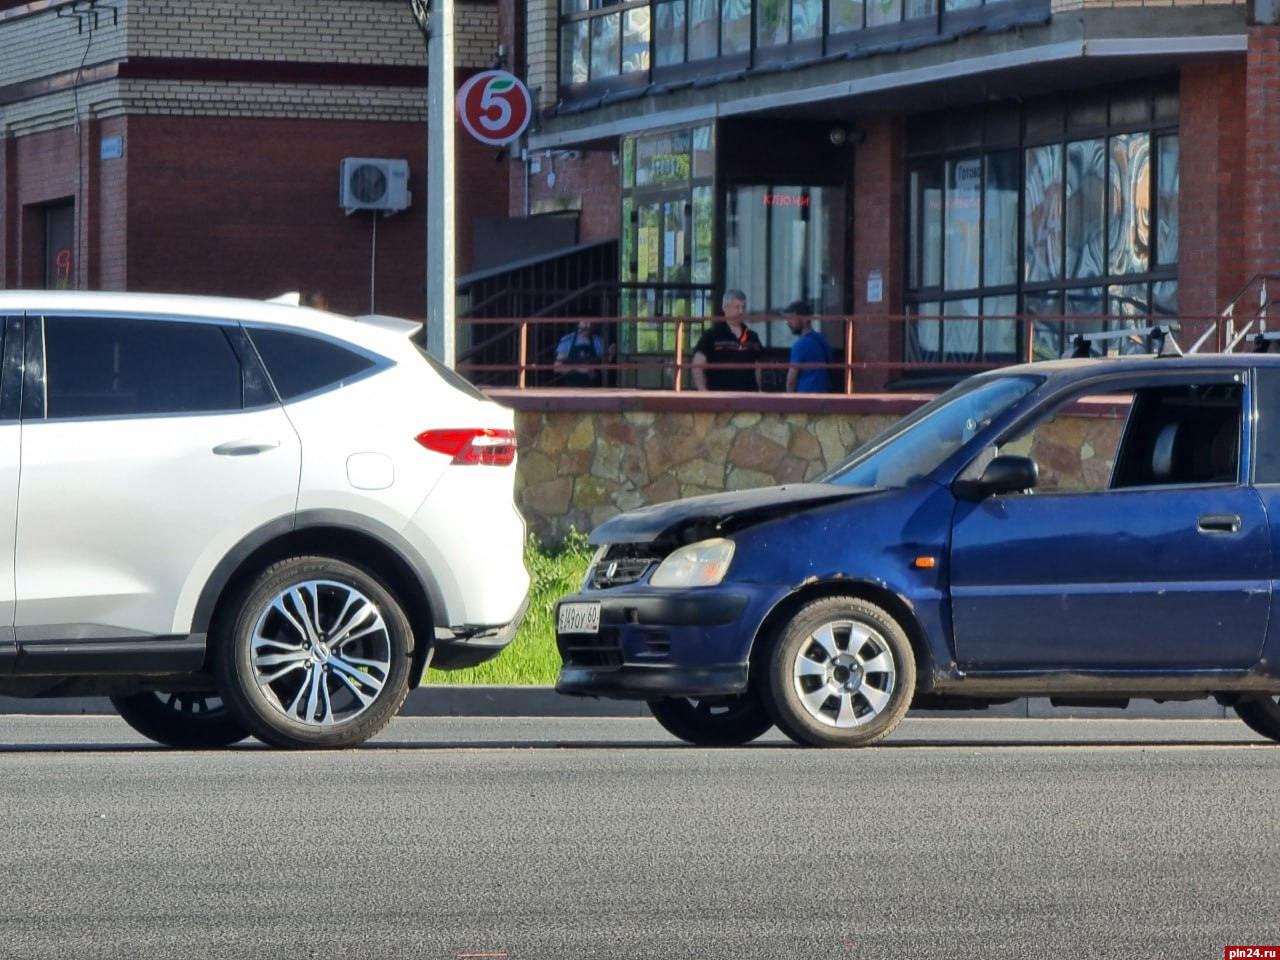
(916,445)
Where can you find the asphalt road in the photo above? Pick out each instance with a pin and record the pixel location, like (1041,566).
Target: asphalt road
(528,838)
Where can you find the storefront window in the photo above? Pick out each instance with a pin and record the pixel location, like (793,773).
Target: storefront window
(845,15)
(881,12)
(962,214)
(1167,201)
(924,267)
(783,243)
(1042,229)
(1085,215)
(601,40)
(1088,209)
(1129,210)
(735,33)
(604,46)
(668,34)
(704,29)
(635,41)
(806,19)
(1000,219)
(668,246)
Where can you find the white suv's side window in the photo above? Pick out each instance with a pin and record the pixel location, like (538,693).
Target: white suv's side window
(122,366)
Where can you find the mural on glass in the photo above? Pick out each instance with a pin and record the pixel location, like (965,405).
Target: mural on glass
(1086,210)
(1129,211)
(1042,227)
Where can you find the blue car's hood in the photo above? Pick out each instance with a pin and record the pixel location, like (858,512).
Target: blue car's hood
(734,509)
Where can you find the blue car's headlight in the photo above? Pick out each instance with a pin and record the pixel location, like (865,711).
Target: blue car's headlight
(701,564)
(591,567)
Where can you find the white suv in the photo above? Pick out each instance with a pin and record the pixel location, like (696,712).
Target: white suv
(239,518)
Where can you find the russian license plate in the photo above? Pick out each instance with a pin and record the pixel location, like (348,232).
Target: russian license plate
(578,618)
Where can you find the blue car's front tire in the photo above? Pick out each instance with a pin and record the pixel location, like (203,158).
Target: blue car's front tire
(841,673)
(719,722)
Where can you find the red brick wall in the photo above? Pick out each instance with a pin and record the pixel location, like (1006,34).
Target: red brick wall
(236,206)
(1262,152)
(110,251)
(588,183)
(8,213)
(44,169)
(1211,267)
(877,245)
(249,207)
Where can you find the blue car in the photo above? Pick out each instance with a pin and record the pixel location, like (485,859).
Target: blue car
(1090,530)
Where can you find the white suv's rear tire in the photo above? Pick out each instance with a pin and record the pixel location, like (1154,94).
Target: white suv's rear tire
(314,654)
(185,719)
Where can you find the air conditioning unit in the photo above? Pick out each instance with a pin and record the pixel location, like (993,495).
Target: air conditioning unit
(371,184)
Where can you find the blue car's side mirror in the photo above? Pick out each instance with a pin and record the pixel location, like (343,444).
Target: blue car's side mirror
(1004,474)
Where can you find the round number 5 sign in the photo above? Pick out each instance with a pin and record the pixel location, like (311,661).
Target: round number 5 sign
(495,107)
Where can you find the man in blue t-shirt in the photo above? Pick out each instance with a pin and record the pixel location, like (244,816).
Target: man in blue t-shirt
(811,347)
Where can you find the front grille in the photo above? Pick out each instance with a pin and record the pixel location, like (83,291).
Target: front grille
(613,573)
(594,650)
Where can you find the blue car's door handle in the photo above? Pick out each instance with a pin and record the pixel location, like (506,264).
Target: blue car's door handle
(1219,523)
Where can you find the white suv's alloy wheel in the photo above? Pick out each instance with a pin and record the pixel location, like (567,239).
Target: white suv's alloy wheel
(321,652)
(315,654)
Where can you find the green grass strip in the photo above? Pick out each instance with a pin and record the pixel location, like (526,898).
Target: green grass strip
(532,658)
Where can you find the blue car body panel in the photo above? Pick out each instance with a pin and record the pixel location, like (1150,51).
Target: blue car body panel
(1139,589)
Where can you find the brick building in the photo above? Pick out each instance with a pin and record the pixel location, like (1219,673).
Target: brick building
(987,177)
(165,145)
(990,177)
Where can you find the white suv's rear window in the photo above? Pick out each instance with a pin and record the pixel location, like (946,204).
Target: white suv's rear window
(298,363)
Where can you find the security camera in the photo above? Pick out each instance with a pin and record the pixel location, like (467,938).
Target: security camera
(838,135)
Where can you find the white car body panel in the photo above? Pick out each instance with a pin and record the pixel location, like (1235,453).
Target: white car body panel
(426,500)
(121,521)
(117,524)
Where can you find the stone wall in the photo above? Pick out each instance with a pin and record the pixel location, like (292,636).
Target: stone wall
(586,457)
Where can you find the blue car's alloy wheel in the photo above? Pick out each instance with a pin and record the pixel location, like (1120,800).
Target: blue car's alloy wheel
(841,673)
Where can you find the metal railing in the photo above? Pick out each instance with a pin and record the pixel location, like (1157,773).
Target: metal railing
(656,352)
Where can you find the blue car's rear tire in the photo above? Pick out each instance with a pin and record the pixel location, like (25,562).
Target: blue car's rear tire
(841,673)
(1261,716)
(713,723)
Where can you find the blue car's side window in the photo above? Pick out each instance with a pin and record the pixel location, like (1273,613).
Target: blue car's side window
(1161,435)
(1267,441)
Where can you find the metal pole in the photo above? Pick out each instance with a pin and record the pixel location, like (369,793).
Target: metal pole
(436,21)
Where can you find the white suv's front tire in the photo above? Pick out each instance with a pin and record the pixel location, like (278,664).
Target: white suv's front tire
(315,653)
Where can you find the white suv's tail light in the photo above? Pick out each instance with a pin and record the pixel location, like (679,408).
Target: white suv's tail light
(480,445)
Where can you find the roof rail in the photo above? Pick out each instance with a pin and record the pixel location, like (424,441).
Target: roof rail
(1157,339)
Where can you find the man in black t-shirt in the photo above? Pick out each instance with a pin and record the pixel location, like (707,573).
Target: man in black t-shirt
(728,342)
